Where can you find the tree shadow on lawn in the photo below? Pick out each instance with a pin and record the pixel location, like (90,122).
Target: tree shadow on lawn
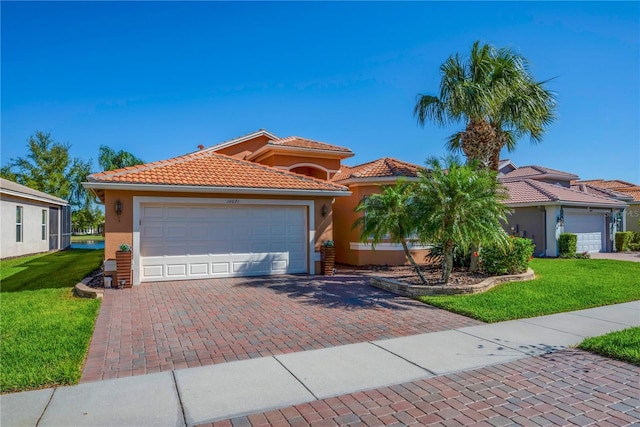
(348,292)
(56,270)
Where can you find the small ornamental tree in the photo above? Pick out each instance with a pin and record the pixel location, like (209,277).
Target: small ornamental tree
(389,214)
(459,205)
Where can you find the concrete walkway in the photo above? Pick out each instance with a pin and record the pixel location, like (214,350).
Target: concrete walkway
(219,392)
(619,256)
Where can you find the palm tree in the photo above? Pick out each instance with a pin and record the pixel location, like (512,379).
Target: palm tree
(495,95)
(390,215)
(459,205)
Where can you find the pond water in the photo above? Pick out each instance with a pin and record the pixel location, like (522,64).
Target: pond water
(89,244)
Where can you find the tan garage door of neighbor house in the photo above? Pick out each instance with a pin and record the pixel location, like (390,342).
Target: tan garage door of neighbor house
(180,242)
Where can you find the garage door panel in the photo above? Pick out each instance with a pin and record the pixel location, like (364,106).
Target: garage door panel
(178,212)
(152,212)
(221,241)
(220,268)
(199,232)
(177,270)
(153,271)
(152,231)
(199,269)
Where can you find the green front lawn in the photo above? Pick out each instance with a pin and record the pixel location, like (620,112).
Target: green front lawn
(45,331)
(560,285)
(622,345)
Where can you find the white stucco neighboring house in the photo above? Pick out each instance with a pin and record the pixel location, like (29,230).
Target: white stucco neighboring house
(32,221)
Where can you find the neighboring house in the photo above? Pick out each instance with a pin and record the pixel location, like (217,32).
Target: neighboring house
(621,190)
(545,205)
(32,221)
(362,181)
(254,205)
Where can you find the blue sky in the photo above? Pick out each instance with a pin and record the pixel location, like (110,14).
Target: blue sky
(160,78)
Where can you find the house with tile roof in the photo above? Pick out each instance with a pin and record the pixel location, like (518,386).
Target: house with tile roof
(260,204)
(363,180)
(547,202)
(253,205)
(621,190)
(32,221)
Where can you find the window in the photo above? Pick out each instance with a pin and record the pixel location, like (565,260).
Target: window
(18,223)
(44,224)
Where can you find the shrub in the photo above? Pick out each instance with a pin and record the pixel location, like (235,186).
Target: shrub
(496,261)
(635,238)
(634,246)
(622,240)
(582,255)
(567,245)
(461,256)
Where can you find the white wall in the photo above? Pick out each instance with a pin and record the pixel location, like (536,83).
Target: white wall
(32,241)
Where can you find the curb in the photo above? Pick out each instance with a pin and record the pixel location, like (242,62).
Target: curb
(412,291)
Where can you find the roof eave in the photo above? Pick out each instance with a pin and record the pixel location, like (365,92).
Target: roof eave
(211,189)
(53,201)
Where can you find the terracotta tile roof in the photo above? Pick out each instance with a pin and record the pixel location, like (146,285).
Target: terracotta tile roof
(532,191)
(535,171)
(296,141)
(210,169)
(602,183)
(631,191)
(381,168)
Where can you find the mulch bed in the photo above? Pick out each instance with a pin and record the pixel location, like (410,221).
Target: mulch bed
(97,279)
(432,273)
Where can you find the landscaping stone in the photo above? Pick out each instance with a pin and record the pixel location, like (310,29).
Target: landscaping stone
(412,291)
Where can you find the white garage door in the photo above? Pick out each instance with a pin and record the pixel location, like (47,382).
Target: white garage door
(589,227)
(179,242)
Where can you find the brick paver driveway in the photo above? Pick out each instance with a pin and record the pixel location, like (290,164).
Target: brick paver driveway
(570,387)
(171,325)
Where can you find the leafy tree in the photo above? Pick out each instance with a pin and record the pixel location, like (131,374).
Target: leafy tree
(494,94)
(459,205)
(46,168)
(109,159)
(389,214)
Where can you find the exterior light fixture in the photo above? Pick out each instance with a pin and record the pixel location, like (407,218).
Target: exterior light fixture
(118,208)
(324,211)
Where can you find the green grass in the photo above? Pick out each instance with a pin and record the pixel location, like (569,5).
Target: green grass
(45,271)
(90,237)
(622,345)
(45,331)
(560,285)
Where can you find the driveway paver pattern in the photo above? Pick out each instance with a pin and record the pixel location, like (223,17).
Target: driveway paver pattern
(173,325)
(570,387)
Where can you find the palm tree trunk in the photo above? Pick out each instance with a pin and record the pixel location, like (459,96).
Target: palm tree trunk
(447,261)
(474,264)
(407,253)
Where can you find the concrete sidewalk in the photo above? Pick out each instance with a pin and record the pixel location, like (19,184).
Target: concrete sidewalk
(223,391)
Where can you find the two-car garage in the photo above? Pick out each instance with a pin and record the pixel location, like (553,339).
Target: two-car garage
(214,238)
